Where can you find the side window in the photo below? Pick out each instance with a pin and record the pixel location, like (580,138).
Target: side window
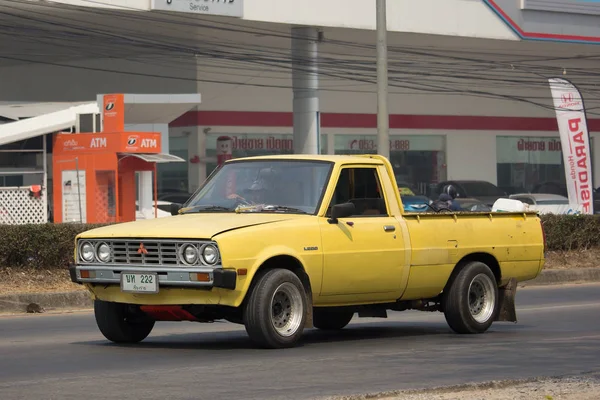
(360,186)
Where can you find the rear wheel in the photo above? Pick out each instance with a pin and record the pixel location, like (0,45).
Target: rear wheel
(471,300)
(119,324)
(331,320)
(275,313)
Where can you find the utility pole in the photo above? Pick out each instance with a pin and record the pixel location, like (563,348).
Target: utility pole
(383,135)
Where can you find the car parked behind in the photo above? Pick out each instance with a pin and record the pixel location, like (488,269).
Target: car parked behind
(484,191)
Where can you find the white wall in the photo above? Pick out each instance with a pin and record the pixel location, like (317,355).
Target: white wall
(444,17)
(48,83)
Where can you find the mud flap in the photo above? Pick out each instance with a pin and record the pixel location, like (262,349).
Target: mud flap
(506,298)
(309,312)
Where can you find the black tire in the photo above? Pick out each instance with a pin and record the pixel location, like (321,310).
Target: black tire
(117,324)
(275,313)
(471,299)
(331,320)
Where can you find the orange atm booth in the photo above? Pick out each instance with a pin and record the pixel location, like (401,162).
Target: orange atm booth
(98,177)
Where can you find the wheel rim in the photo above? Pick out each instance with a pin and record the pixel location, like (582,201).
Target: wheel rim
(286,309)
(481,298)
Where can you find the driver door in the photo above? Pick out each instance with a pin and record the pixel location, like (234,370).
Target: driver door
(364,253)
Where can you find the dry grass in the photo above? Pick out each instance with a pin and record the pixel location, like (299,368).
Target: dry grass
(573,259)
(29,280)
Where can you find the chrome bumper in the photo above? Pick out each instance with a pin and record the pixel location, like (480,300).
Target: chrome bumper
(167,276)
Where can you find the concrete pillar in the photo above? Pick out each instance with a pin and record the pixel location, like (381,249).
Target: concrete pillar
(145,202)
(305,86)
(197,147)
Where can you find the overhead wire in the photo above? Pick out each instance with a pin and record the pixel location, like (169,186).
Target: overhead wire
(330,66)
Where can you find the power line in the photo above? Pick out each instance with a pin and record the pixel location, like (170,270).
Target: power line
(435,77)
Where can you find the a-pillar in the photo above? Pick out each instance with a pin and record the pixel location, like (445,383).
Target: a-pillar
(305,86)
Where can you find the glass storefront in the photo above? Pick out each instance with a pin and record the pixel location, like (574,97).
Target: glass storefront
(530,164)
(418,160)
(249,145)
(173,177)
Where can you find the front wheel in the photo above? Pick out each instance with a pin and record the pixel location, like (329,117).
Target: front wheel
(275,313)
(118,324)
(471,300)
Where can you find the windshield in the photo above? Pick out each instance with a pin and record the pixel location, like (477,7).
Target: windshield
(263,186)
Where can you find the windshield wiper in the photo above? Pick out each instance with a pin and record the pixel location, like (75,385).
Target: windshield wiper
(271,207)
(201,208)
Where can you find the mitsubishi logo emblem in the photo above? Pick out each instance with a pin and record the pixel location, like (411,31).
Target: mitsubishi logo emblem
(142,249)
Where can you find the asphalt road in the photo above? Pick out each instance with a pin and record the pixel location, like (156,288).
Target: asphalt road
(64,356)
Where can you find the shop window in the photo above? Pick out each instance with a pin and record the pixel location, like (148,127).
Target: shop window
(531,164)
(419,161)
(11,181)
(251,145)
(173,177)
(360,186)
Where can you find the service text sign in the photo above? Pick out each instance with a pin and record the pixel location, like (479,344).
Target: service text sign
(229,8)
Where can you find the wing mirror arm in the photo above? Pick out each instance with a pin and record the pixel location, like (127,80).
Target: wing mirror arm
(343,210)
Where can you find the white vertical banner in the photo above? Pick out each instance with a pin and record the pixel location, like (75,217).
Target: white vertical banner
(575,141)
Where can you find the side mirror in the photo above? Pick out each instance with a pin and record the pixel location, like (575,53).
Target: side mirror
(175,207)
(341,211)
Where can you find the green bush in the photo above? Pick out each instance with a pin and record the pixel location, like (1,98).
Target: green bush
(52,245)
(571,232)
(39,245)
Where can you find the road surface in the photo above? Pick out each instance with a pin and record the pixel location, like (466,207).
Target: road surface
(64,356)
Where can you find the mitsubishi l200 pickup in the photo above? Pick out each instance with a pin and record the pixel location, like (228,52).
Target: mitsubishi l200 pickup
(284,243)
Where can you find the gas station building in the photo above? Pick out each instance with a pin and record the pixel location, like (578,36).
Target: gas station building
(468,83)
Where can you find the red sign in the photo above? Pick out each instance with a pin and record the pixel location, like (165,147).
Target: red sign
(578,164)
(113,113)
(117,142)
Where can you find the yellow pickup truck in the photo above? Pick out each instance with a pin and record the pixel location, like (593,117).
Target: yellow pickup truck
(284,243)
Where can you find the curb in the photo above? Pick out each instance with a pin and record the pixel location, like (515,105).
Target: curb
(562,276)
(18,303)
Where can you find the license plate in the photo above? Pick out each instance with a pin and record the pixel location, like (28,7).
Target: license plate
(139,282)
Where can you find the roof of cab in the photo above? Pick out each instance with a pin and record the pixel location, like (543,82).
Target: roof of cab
(343,159)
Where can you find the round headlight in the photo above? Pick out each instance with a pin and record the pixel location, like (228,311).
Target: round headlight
(104,252)
(190,254)
(87,252)
(210,254)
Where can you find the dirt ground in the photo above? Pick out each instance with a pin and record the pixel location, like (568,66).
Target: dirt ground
(573,259)
(581,388)
(28,280)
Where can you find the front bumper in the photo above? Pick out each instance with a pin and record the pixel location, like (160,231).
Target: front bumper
(167,276)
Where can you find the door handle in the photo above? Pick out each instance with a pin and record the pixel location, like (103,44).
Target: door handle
(389,228)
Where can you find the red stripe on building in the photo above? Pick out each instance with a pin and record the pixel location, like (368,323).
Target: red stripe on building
(539,35)
(397,121)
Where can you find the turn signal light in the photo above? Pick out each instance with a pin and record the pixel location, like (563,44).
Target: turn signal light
(200,276)
(86,274)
